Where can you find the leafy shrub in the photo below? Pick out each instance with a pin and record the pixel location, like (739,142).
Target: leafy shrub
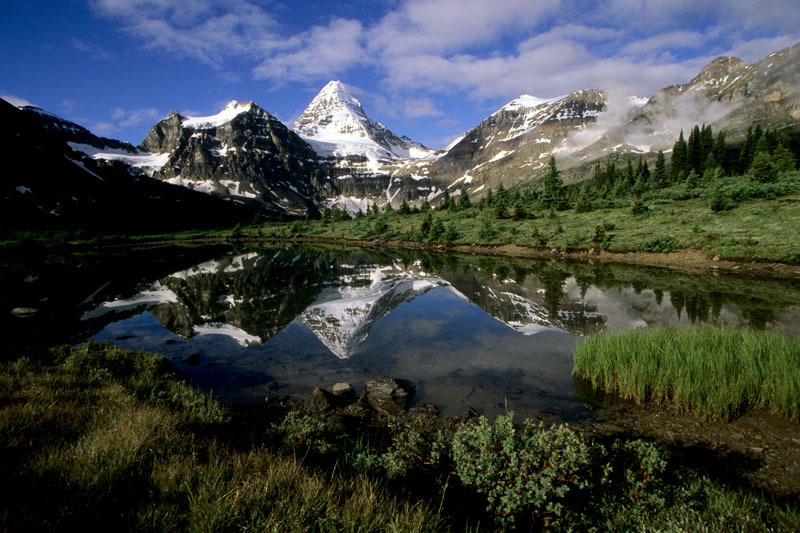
(521,468)
(305,432)
(663,245)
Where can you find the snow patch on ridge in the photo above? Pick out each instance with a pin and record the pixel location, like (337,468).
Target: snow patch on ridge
(145,161)
(231,111)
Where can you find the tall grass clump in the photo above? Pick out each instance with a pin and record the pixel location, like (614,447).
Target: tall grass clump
(711,370)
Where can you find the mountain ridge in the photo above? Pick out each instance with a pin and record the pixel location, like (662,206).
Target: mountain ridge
(340,156)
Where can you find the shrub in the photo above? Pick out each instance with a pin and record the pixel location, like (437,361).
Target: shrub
(522,468)
(663,245)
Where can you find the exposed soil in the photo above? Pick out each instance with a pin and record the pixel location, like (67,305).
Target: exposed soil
(758,449)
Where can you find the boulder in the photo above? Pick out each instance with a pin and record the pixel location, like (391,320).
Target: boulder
(319,401)
(389,396)
(343,390)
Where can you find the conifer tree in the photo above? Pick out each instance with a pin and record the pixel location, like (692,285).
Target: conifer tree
(721,151)
(552,186)
(677,164)
(660,174)
(694,150)
(445,203)
(427,223)
(425,206)
(501,201)
(783,159)
(463,198)
(404,208)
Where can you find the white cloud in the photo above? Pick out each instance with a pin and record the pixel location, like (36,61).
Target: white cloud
(322,52)
(14,100)
(201,29)
(420,107)
(662,41)
(487,50)
(442,26)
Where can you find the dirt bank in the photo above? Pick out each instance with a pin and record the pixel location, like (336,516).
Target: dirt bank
(759,449)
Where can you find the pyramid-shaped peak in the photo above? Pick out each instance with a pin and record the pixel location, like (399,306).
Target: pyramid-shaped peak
(336,94)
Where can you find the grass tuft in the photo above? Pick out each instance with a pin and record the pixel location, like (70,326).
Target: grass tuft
(711,370)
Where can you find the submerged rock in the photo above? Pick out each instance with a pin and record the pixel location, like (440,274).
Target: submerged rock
(24,312)
(389,396)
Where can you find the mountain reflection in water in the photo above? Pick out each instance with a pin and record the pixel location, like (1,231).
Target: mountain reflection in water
(471,332)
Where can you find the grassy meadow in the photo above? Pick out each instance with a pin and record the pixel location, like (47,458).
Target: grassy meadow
(96,436)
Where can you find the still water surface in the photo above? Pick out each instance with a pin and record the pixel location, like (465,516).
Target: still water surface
(471,332)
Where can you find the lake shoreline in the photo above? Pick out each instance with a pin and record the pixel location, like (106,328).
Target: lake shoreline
(688,261)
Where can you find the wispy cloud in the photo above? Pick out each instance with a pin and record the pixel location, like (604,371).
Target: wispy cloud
(496,49)
(93,50)
(200,29)
(420,107)
(135,117)
(321,52)
(14,100)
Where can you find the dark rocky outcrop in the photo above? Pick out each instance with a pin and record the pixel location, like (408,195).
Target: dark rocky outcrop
(389,396)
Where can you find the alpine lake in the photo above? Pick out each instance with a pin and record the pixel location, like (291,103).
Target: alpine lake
(473,333)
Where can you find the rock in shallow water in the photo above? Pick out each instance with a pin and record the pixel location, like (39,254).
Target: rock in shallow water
(389,396)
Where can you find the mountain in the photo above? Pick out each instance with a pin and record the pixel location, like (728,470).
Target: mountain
(49,182)
(241,152)
(338,155)
(513,143)
(727,94)
(335,125)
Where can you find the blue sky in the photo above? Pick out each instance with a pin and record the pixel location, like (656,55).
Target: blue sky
(429,69)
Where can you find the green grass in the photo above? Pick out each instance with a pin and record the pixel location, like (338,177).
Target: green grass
(114,440)
(99,437)
(757,229)
(714,371)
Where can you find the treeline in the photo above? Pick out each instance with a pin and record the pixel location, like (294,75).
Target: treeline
(702,166)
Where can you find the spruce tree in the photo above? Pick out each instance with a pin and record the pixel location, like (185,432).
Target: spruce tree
(660,174)
(552,186)
(445,203)
(425,206)
(694,150)
(501,201)
(463,198)
(427,223)
(721,151)
(677,164)
(783,159)
(404,208)
(706,142)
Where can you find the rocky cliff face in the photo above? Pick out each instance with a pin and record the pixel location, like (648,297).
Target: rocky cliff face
(50,180)
(509,146)
(241,152)
(727,94)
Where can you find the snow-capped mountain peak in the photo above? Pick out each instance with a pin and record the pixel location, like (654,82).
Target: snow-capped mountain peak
(335,124)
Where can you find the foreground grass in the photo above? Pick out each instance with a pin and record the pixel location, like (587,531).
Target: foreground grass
(105,437)
(112,438)
(712,370)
